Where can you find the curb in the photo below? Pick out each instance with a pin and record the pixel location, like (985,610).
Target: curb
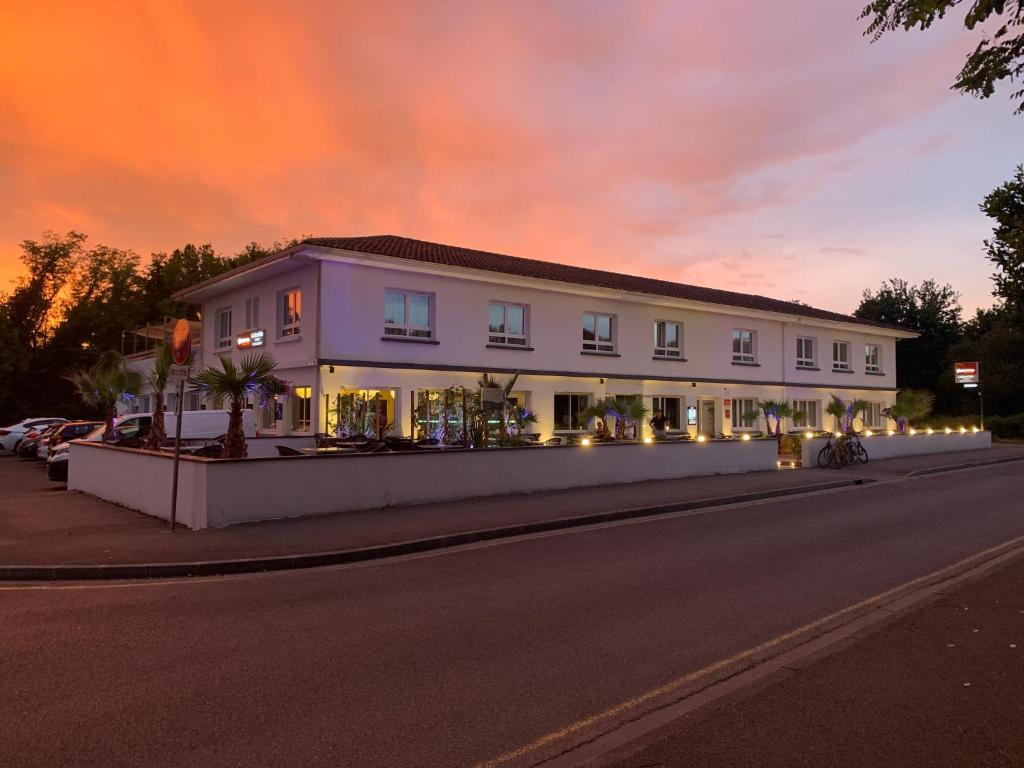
(380,551)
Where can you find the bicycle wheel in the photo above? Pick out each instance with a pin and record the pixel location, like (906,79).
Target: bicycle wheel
(825,455)
(862,453)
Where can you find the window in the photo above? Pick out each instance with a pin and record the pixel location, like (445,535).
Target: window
(873,417)
(743,407)
(301,403)
(506,324)
(598,332)
(408,314)
(812,414)
(291,312)
(742,346)
(667,339)
(840,355)
(223,325)
(252,313)
(804,352)
(569,410)
(671,408)
(872,358)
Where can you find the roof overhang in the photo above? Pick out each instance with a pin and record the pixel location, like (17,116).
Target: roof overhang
(269,266)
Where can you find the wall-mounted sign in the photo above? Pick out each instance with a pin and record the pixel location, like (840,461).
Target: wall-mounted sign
(966,373)
(250,339)
(691,415)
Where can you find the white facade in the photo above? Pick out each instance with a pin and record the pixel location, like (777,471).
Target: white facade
(341,342)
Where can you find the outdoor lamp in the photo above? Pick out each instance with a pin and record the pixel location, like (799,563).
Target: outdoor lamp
(839,434)
(948,430)
(808,435)
(746,438)
(913,431)
(892,432)
(962,430)
(648,440)
(931,431)
(869,433)
(701,438)
(585,441)
(975,429)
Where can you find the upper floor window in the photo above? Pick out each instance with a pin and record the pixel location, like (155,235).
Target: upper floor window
(805,352)
(224,337)
(598,332)
(667,339)
(291,312)
(506,324)
(872,358)
(743,346)
(407,313)
(252,313)
(840,355)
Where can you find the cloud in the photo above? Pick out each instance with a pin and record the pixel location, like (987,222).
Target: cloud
(594,133)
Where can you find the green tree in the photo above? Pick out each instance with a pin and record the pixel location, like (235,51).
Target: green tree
(235,383)
(931,310)
(107,382)
(996,58)
(1005,249)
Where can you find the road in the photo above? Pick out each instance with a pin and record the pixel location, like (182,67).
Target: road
(464,656)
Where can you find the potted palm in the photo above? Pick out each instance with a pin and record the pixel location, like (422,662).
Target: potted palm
(235,383)
(108,381)
(837,409)
(636,414)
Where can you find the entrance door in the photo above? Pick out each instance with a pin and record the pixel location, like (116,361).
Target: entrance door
(706,418)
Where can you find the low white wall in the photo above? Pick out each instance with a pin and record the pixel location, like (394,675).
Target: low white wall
(884,446)
(217,493)
(265,447)
(139,480)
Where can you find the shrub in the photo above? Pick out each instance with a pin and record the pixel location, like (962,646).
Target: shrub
(1006,426)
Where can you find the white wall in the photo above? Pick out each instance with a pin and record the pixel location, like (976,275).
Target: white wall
(218,493)
(884,446)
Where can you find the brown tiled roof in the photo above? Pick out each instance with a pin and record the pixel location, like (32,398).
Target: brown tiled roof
(452,256)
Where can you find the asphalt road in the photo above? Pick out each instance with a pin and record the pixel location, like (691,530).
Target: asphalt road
(462,656)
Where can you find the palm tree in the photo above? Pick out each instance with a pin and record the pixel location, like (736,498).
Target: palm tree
(487,381)
(636,412)
(157,380)
(109,380)
(856,410)
(911,404)
(786,411)
(602,410)
(235,382)
(837,409)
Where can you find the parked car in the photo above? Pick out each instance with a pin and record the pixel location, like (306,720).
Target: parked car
(57,461)
(65,433)
(28,447)
(14,434)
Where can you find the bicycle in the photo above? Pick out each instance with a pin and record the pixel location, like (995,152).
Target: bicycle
(845,451)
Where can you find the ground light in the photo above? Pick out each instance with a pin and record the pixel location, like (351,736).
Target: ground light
(701,438)
(808,435)
(648,440)
(963,430)
(746,438)
(585,441)
(892,432)
(975,429)
(869,433)
(931,431)
(948,430)
(839,434)
(913,431)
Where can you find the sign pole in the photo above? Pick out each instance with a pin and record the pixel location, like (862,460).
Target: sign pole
(981,403)
(177,453)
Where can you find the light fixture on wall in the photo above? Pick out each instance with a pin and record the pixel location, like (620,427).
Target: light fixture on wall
(330,369)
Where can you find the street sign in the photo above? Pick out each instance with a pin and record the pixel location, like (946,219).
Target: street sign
(181,342)
(966,373)
(179,373)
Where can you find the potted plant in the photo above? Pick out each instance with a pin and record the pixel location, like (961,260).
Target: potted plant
(235,383)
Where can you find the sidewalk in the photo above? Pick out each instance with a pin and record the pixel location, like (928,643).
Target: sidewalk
(43,524)
(940,686)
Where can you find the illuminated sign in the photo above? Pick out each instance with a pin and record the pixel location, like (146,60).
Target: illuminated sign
(691,415)
(966,373)
(250,339)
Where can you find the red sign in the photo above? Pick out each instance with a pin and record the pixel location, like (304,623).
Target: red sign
(181,342)
(966,373)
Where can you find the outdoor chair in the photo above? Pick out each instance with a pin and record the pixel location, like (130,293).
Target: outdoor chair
(428,441)
(210,451)
(553,441)
(286,450)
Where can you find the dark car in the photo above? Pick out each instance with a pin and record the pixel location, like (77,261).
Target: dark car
(28,447)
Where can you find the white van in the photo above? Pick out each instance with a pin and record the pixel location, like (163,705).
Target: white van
(195,425)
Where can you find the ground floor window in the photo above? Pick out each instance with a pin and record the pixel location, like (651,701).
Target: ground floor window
(812,414)
(873,416)
(302,401)
(672,409)
(569,410)
(744,413)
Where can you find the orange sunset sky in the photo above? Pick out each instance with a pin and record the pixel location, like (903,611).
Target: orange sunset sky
(762,147)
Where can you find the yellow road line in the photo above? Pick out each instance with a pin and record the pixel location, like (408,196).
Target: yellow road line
(678,682)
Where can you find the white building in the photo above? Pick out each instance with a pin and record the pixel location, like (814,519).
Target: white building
(401,318)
